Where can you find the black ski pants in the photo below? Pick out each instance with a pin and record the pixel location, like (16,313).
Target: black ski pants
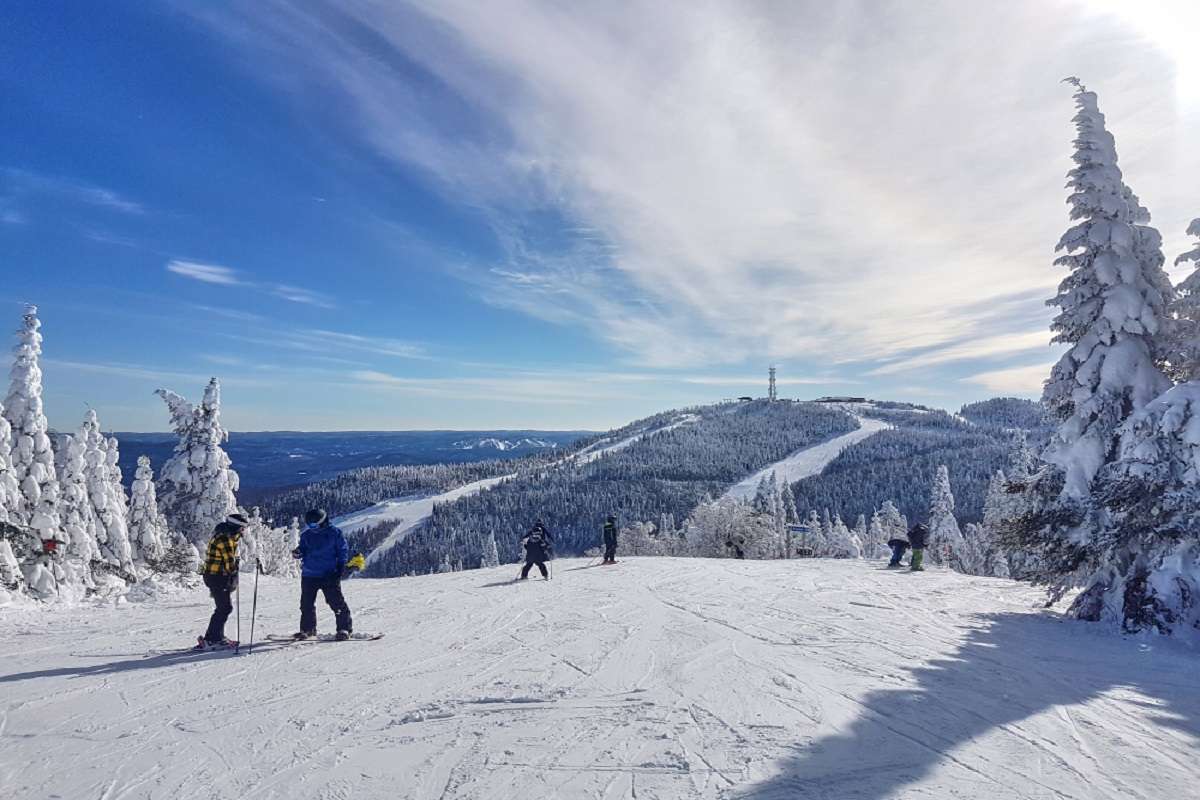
(220,587)
(610,548)
(529,562)
(331,587)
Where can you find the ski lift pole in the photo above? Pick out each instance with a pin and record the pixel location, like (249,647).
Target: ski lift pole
(254,605)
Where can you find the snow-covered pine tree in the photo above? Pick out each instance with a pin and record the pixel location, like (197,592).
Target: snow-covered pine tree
(1184,313)
(491,553)
(197,484)
(1022,461)
(841,542)
(107,497)
(33,462)
(1145,562)
(815,539)
(11,578)
(945,539)
(877,536)
(75,507)
(895,526)
(1111,307)
(149,537)
(788,500)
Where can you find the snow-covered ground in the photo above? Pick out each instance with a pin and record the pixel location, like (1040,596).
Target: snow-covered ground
(409,512)
(809,461)
(658,678)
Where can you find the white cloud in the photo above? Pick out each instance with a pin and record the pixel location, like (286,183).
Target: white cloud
(1005,344)
(205,273)
(23,181)
(1024,381)
(305,296)
(719,183)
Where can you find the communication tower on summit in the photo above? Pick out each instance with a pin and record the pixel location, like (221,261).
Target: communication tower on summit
(771,395)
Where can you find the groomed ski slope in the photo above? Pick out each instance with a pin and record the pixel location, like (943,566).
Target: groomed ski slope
(809,461)
(409,512)
(657,678)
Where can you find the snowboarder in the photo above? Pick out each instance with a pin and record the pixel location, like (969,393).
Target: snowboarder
(610,540)
(538,544)
(916,538)
(899,546)
(324,557)
(221,577)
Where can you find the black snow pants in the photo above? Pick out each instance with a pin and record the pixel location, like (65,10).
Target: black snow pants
(530,560)
(331,587)
(220,587)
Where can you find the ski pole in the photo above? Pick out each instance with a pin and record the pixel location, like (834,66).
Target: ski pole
(237,596)
(254,604)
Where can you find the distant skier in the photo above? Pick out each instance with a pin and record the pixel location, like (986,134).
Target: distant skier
(610,541)
(899,546)
(221,577)
(916,538)
(539,545)
(324,556)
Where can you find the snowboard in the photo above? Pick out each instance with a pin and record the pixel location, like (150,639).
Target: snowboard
(326,637)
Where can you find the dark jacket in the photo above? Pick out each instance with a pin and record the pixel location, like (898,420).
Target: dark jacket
(538,544)
(901,543)
(916,537)
(324,551)
(610,533)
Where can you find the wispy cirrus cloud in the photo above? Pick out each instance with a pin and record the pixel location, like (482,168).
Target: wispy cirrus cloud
(226,276)
(1025,381)
(750,181)
(205,273)
(24,182)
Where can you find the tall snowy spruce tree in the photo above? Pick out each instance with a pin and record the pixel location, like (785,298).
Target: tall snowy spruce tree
(107,497)
(1077,522)
(1110,307)
(945,542)
(1149,543)
(149,537)
(36,506)
(11,579)
(75,506)
(197,484)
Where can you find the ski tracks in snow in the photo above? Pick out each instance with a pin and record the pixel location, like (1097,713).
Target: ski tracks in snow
(660,678)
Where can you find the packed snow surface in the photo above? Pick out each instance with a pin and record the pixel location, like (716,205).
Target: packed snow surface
(656,678)
(809,461)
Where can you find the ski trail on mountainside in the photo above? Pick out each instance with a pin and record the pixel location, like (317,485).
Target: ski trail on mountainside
(409,512)
(689,679)
(809,461)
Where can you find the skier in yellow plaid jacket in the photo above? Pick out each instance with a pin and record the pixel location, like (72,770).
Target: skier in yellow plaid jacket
(220,572)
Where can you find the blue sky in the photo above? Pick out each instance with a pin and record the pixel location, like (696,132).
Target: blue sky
(542,215)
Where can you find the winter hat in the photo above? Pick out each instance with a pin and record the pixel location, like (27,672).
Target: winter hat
(315,516)
(238,519)
(919,528)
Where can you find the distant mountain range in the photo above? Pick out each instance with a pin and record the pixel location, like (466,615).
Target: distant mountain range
(275,459)
(505,445)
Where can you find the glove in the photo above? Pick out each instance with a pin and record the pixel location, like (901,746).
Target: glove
(297,554)
(355,563)
(233,580)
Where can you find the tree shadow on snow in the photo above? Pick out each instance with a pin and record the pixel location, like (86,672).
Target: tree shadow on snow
(1011,668)
(155,661)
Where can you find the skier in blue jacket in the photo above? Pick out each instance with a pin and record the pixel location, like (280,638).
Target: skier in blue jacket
(324,553)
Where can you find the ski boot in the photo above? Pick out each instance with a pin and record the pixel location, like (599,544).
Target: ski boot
(300,636)
(342,636)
